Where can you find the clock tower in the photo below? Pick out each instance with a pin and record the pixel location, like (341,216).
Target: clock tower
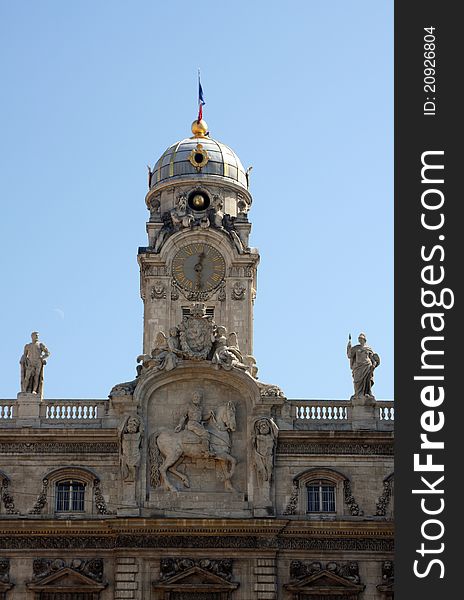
(198,240)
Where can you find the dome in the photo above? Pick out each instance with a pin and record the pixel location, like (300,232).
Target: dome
(198,156)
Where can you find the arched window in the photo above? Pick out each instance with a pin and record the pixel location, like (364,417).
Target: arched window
(321,496)
(70,496)
(321,493)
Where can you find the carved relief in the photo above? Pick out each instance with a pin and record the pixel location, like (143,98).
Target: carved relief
(172,566)
(192,579)
(43,567)
(41,499)
(265,433)
(4,570)
(349,499)
(197,338)
(112,540)
(384,499)
(388,579)
(158,291)
(325,448)
(195,333)
(59,448)
(130,435)
(7,498)
(222,293)
(238,291)
(196,436)
(174,291)
(269,390)
(348,571)
(292,506)
(100,502)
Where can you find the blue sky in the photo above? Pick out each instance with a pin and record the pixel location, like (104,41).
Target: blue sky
(95,91)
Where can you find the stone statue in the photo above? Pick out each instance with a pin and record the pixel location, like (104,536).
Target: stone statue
(363,361)
(226,351)
(32,363)
(192,420)
(166,354)
(265,433)
(179,215)
(131,435)
(164,232)
(229,226)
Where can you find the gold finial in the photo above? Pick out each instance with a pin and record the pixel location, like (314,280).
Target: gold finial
(199,128)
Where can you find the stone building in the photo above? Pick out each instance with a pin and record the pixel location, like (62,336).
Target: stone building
(196,480)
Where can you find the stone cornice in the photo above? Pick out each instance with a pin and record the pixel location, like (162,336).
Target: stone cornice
(368,443)
(59,441)
(253,534)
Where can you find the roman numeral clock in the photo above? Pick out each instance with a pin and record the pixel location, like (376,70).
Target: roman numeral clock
(198,267)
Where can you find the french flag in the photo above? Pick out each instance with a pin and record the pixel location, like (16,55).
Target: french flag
(201,100)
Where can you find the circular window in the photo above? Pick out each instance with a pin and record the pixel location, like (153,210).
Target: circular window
(198,200)
(198,157)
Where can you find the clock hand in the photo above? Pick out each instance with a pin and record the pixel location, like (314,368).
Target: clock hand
(198,268)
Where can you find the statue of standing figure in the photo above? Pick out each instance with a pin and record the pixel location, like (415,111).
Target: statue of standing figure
(32,363)
(265,433)
(363,361)
(131,435)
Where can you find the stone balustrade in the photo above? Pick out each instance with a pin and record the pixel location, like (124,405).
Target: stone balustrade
(321,410)
(72,410)
(6,409)
(342,414)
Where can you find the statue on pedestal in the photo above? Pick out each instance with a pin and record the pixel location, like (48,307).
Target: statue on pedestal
(363,361)
(32,363)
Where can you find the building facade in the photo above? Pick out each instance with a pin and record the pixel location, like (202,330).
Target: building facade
(196,481)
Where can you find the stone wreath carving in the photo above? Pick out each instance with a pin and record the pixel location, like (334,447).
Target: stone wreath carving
(197,338)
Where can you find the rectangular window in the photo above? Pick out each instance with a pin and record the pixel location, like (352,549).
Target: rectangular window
(70,496)
(321,497)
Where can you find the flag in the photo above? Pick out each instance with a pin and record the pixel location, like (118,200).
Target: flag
(201,100)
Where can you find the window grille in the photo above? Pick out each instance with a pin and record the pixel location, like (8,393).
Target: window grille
(70,496)
(321,496)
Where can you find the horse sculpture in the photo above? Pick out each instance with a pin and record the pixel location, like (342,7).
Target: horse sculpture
(167,449)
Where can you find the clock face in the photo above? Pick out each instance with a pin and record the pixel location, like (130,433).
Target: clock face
(198,267)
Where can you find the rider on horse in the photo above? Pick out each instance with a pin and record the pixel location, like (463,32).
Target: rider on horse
(192,420)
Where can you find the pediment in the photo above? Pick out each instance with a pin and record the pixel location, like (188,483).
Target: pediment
(324,581)
(67,580)
(197,579)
